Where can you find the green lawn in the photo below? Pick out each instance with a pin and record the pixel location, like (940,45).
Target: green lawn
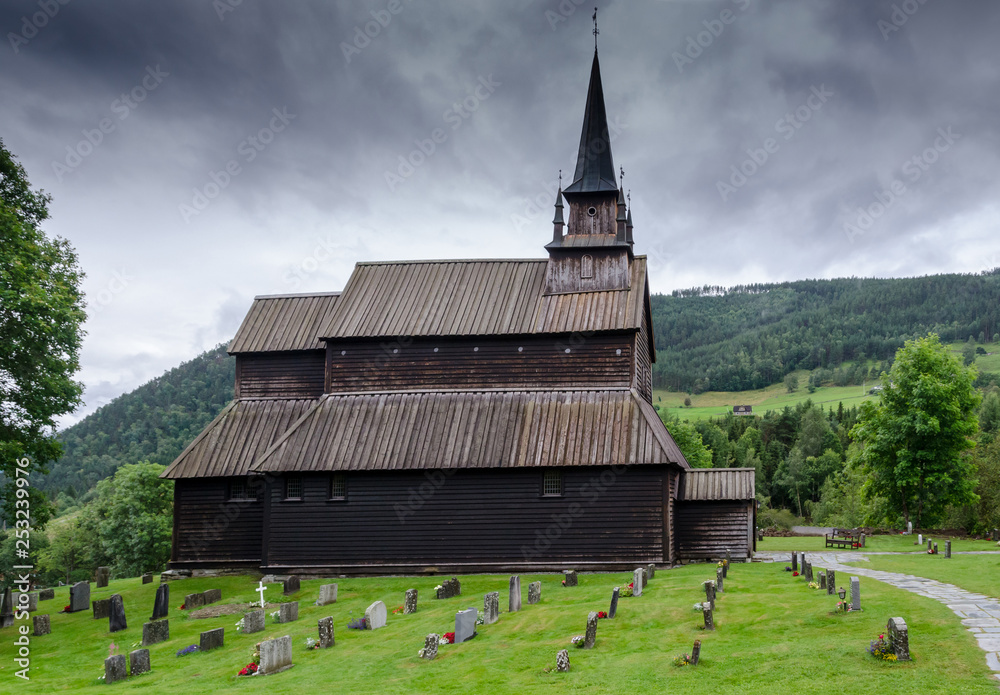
(873,544)
(979,573)
(775,635)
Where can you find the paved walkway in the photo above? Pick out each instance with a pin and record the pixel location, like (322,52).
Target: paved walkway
(980,614)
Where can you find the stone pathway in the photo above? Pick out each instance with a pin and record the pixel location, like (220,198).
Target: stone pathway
(980,614)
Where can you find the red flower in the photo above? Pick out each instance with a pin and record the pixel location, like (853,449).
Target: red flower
(67,609)
(183,606)
(631,585)
(450,636)
(795,574)
(564,582)
(602,614)
(249,669)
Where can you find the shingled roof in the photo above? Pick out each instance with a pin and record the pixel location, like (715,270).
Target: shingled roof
(718,484)
(282,322)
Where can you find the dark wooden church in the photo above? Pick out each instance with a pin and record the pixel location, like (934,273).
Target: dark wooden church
(459,416)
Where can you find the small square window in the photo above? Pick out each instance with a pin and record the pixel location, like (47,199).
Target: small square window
(293,488)
(338,487)
(552,484)
(238,489)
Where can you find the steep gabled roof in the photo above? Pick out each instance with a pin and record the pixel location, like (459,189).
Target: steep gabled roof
(281,322)
(595,170)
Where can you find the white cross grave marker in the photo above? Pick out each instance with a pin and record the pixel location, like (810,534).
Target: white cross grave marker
(261,589)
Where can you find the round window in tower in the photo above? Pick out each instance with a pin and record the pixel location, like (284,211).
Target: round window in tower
(591,211)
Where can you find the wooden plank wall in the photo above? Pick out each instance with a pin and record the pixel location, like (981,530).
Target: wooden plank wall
(705,530)
(209,528)
(535,361)
(470,520)
(282,374)
(643,371)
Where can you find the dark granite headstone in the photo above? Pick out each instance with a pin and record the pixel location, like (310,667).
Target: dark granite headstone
(591,636)
(7,609)
(115,669)
(212,639)
(696,652)
(709,593)
(41,625)
(138,662)
(706,611)
(822,580)
(192,601)
(325,633)
(449,588)
(79,597)
(102,608)
(46,594)
(291,585)
(102,576)
(831,582)
(614,603)
(116,614)
(899,638)
(161,604)
(147,578)
(155,632)
(947,549)
(212,595)
(570,578)
(253,622)
(795,562)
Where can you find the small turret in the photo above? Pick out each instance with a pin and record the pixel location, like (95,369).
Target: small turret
(622,218)
(558,224)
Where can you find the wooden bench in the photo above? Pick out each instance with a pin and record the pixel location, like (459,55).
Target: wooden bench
(832,541)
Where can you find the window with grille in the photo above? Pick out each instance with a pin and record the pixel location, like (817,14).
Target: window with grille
(338,487)
(243,489)
(552,484)
(293,488)
(587,266)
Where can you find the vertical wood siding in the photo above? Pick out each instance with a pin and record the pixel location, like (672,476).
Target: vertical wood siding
(210,528)
(283,374)
(642,377)
(705,530)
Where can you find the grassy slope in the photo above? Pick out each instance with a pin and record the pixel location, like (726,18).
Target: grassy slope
(774,636)
(873,544)
(979,573)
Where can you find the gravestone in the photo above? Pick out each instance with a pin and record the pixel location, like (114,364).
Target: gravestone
(930,549)
(831,582)
(116,614)
(114,669)
(212,639)
(650,571)
(570,578)
(920,539)
(855,594)
(534,593)
(562,660)
(696,652)
(212,595)
(591,636)
(491,607)
(909,528)
(410,601)
(7,609)
(161,604)
(41,625)
(26,602)
(449,588)
(375,616)
(809,572)
(102,608)
(614,603)
(102,576)
(275,655)
(725,567)
(935,552)
(327,595)
(795,562)
(430,650)
(465,625)
(709,593)
(325,632)
(253,622)
(514,602)
(79,597)
(760,535)
(899,639)
(947,548)
(637,582)
(645,577)
(861,540)
(46,594)
(719,581)
(147,578)
(291,585)
(707,613)
(822,580)
(138,662)
(288,612)
(155,632)
(194,601)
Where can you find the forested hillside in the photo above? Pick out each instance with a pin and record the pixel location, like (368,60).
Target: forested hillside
(750,336)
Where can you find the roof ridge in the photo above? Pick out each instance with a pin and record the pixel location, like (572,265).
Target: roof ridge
(455,260)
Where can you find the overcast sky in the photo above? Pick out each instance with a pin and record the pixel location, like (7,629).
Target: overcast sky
(245,148)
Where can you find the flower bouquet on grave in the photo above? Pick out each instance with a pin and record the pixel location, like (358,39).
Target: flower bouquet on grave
(880,649)
(698,607)
(276,616)
(248,670)
(787,568)
(397,610)
(682,660)
(183,606)
(312,643)
(813,585)
(67,609)
(578,641)
(357,624)
(188,650)
(844,606)
(241,624)
(795,574)
(602,614)
(627,591)
(480,618)
(448,638)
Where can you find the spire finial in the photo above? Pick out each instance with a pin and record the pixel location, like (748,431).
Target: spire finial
(596,32)
(622,176)
(629,199)
(560,179)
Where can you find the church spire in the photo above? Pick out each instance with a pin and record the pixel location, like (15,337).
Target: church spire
(595,170)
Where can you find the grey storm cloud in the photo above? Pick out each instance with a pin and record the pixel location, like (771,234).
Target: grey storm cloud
(200,153)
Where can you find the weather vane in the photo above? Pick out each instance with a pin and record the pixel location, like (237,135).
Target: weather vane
(622,170)
(560,178)
(596,32)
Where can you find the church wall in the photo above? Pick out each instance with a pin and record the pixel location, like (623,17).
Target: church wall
(283,374)
(642,378)
(705,529)
(209,528)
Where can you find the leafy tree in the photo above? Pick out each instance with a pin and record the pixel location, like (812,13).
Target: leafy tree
(989,413)
(689,442)
(915,436)
(969,352)
(68,554)
(791,382)
(41,312)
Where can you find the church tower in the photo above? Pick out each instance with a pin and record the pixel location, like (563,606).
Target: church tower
(592,250)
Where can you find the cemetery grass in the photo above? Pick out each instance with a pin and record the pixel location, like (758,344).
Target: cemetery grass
(774,635)
(976,573)
(873,544)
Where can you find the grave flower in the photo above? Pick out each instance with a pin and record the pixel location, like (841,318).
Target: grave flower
(275,616)
(480,618)
(397,610)
(66,609)
(795,574)
(682,660)
(240,625)
(450,636)
(312,643)
(602,614)
(357,624)
(880,649)
(249,669)
(188,650)
(698,607)
(813,585)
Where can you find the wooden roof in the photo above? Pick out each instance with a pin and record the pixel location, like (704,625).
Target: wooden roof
(718,484)
(469,297)
(284,322)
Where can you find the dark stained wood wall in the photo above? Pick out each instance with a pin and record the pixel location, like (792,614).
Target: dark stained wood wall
(608,270)
(211,529)
(471,520)
(533,361)
(281,374)
(642,378)
(706,529)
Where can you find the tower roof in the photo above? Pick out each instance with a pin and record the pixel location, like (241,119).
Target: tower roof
(595,170)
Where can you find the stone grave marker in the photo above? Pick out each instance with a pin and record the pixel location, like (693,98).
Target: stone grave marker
(275,655)
(650,570)
(725,567)
(212,639)
(79,597)
(930,545)
(696,652)
(514,602)
(861,540)
(719,581)
(430,650)
(645,577)
(637,582)
(899,639)
(449,588)
(115,669)
(822,580)
(212,595)
(116,614)
(161,604)
(46,594)
(325,632)
(614,603)
(147,578)
(709,593)
(920,539)
(569,578)
(465,625)
(562,660)
(155,632)
(935,552)
(534,593)
(253,622)
(102,608)
(909,528)
(41,625)
(491,607)
(831,582)
(7,608)
(138,662)
(855,594)
(288,612)
(26,602)
(291,585)
(194,601)
(327,594)
(591,636)
(706,612)
(375,616)
(795,561)
(102,576)
(947,549)
(410,601)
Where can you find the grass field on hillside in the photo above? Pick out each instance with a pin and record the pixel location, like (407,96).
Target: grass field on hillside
(979,573)
(775,636)
(873,544)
